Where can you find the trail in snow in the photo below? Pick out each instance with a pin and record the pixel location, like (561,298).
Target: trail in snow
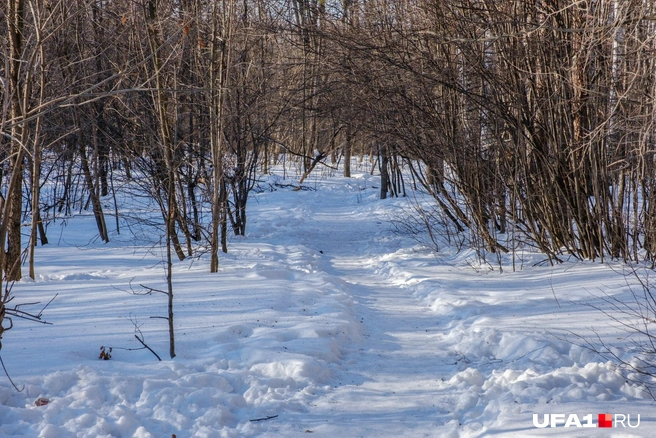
(385,384)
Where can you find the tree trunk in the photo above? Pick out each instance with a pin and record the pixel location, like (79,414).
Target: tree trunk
(348,151)
(93,194)
(384,171)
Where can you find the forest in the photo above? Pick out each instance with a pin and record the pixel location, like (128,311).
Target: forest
(332,183)
(530,123)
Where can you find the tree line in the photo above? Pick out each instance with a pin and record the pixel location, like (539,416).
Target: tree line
(527,122)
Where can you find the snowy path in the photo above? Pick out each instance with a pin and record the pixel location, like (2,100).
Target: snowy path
(386,383)
(392,377)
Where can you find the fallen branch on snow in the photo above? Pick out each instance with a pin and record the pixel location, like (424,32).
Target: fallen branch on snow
(265,418)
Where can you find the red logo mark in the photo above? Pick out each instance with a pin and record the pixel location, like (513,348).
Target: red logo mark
(605,420)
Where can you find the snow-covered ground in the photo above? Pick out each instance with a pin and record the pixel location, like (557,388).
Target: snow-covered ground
(323,320)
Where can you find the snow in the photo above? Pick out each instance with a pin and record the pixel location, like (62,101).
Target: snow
(323,319)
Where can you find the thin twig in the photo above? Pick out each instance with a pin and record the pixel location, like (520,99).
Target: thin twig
(149,349)
(139,336)
(7,374)
(127,349)
(150,290)
(26,315)
(49,302)
(264,419)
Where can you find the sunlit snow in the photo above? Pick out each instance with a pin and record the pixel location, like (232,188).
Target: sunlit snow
(324,319)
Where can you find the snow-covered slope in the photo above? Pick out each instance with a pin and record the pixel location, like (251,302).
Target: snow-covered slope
(322,320)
